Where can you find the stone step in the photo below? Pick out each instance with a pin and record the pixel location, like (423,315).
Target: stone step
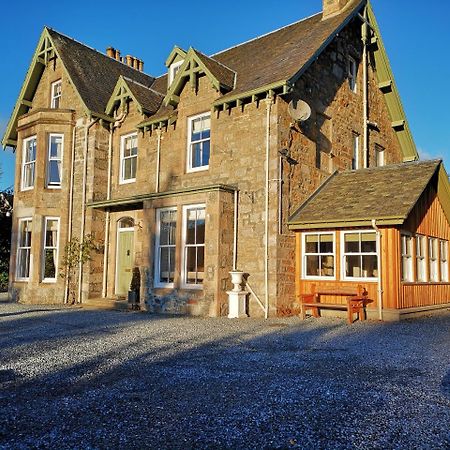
(105,303)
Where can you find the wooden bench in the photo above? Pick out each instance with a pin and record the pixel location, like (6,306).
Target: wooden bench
(356,302)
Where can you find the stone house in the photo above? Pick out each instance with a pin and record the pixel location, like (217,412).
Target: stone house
(194,173)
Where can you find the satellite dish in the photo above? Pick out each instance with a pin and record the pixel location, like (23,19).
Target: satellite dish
(299,110)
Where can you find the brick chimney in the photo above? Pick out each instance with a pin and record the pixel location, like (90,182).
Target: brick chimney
(333,7)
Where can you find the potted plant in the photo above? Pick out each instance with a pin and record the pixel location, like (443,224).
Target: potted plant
(135,288)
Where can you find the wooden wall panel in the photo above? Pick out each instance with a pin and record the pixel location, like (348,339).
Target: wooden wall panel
(424,294)
(390,266)
(428,217)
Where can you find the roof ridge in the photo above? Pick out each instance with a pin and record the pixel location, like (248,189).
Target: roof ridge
(266,34)
(95,50)
(142,85)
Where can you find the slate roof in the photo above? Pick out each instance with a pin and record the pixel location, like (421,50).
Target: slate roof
(279,55)
(94,74)
(222,73)
(388,193)
(148,98)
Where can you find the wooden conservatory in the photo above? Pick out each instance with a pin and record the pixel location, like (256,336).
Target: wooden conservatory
(384,230)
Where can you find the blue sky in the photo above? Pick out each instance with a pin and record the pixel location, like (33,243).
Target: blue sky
(416,35)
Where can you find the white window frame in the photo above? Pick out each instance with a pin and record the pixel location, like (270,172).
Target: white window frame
(184,283)
(123,158)
(443,260)
(44,248)
(343,256)
(49,158)
(305,254)
(421,257)
(433,259)
(408,255)
(355,151)
(55,96)
(352,74)
(189,144)
(26,163)
(157,274)
(173,71)
(19,248)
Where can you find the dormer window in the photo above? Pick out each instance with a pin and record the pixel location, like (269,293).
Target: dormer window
(56,94)
(173,70)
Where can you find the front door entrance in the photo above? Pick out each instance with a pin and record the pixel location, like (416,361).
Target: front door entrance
(125,256)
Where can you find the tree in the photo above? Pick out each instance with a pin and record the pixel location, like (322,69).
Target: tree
(75,252)
(6,203)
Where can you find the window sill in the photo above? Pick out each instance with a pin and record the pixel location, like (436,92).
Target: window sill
(197,169)
(306,278)
(131,180)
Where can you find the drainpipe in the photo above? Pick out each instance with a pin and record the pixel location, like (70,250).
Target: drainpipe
(235,225)
(158,157)
(380,284)
(112,126)
(269,101)
(69,231)
(365,37)
(83,199)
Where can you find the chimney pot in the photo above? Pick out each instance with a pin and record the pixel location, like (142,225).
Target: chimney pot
(118,55)
(129,60)
(135,63)
(111,52)
(141,65)
(333,7)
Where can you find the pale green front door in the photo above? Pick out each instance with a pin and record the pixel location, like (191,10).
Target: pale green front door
(125,261)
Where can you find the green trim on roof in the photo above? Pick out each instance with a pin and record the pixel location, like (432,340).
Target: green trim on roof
(121,94)
(444,191)
(386,83)
(189,70)
(158,121)
(141,198)
(299,226)
(177,53)
(45,52)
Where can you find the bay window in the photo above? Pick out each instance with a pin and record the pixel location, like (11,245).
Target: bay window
(318,255)
(54,163)
(50,250)
(28,163)
(360,259)
(166,225)
(193,246)
(23,261)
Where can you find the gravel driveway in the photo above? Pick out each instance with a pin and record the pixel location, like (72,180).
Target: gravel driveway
(72,378)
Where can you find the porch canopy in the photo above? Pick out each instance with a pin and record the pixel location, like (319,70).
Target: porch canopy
(387,194)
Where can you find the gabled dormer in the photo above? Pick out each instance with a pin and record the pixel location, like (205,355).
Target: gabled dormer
(173,63)
(147,100)
(197,64)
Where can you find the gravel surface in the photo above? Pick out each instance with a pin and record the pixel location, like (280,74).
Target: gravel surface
(78,379)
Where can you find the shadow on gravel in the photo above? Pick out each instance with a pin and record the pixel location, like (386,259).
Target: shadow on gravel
(446,385)
(124,380)
(30,311)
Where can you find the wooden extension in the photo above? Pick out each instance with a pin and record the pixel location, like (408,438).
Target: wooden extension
(356,302)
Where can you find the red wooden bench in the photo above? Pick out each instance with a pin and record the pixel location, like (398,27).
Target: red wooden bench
(356,302)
